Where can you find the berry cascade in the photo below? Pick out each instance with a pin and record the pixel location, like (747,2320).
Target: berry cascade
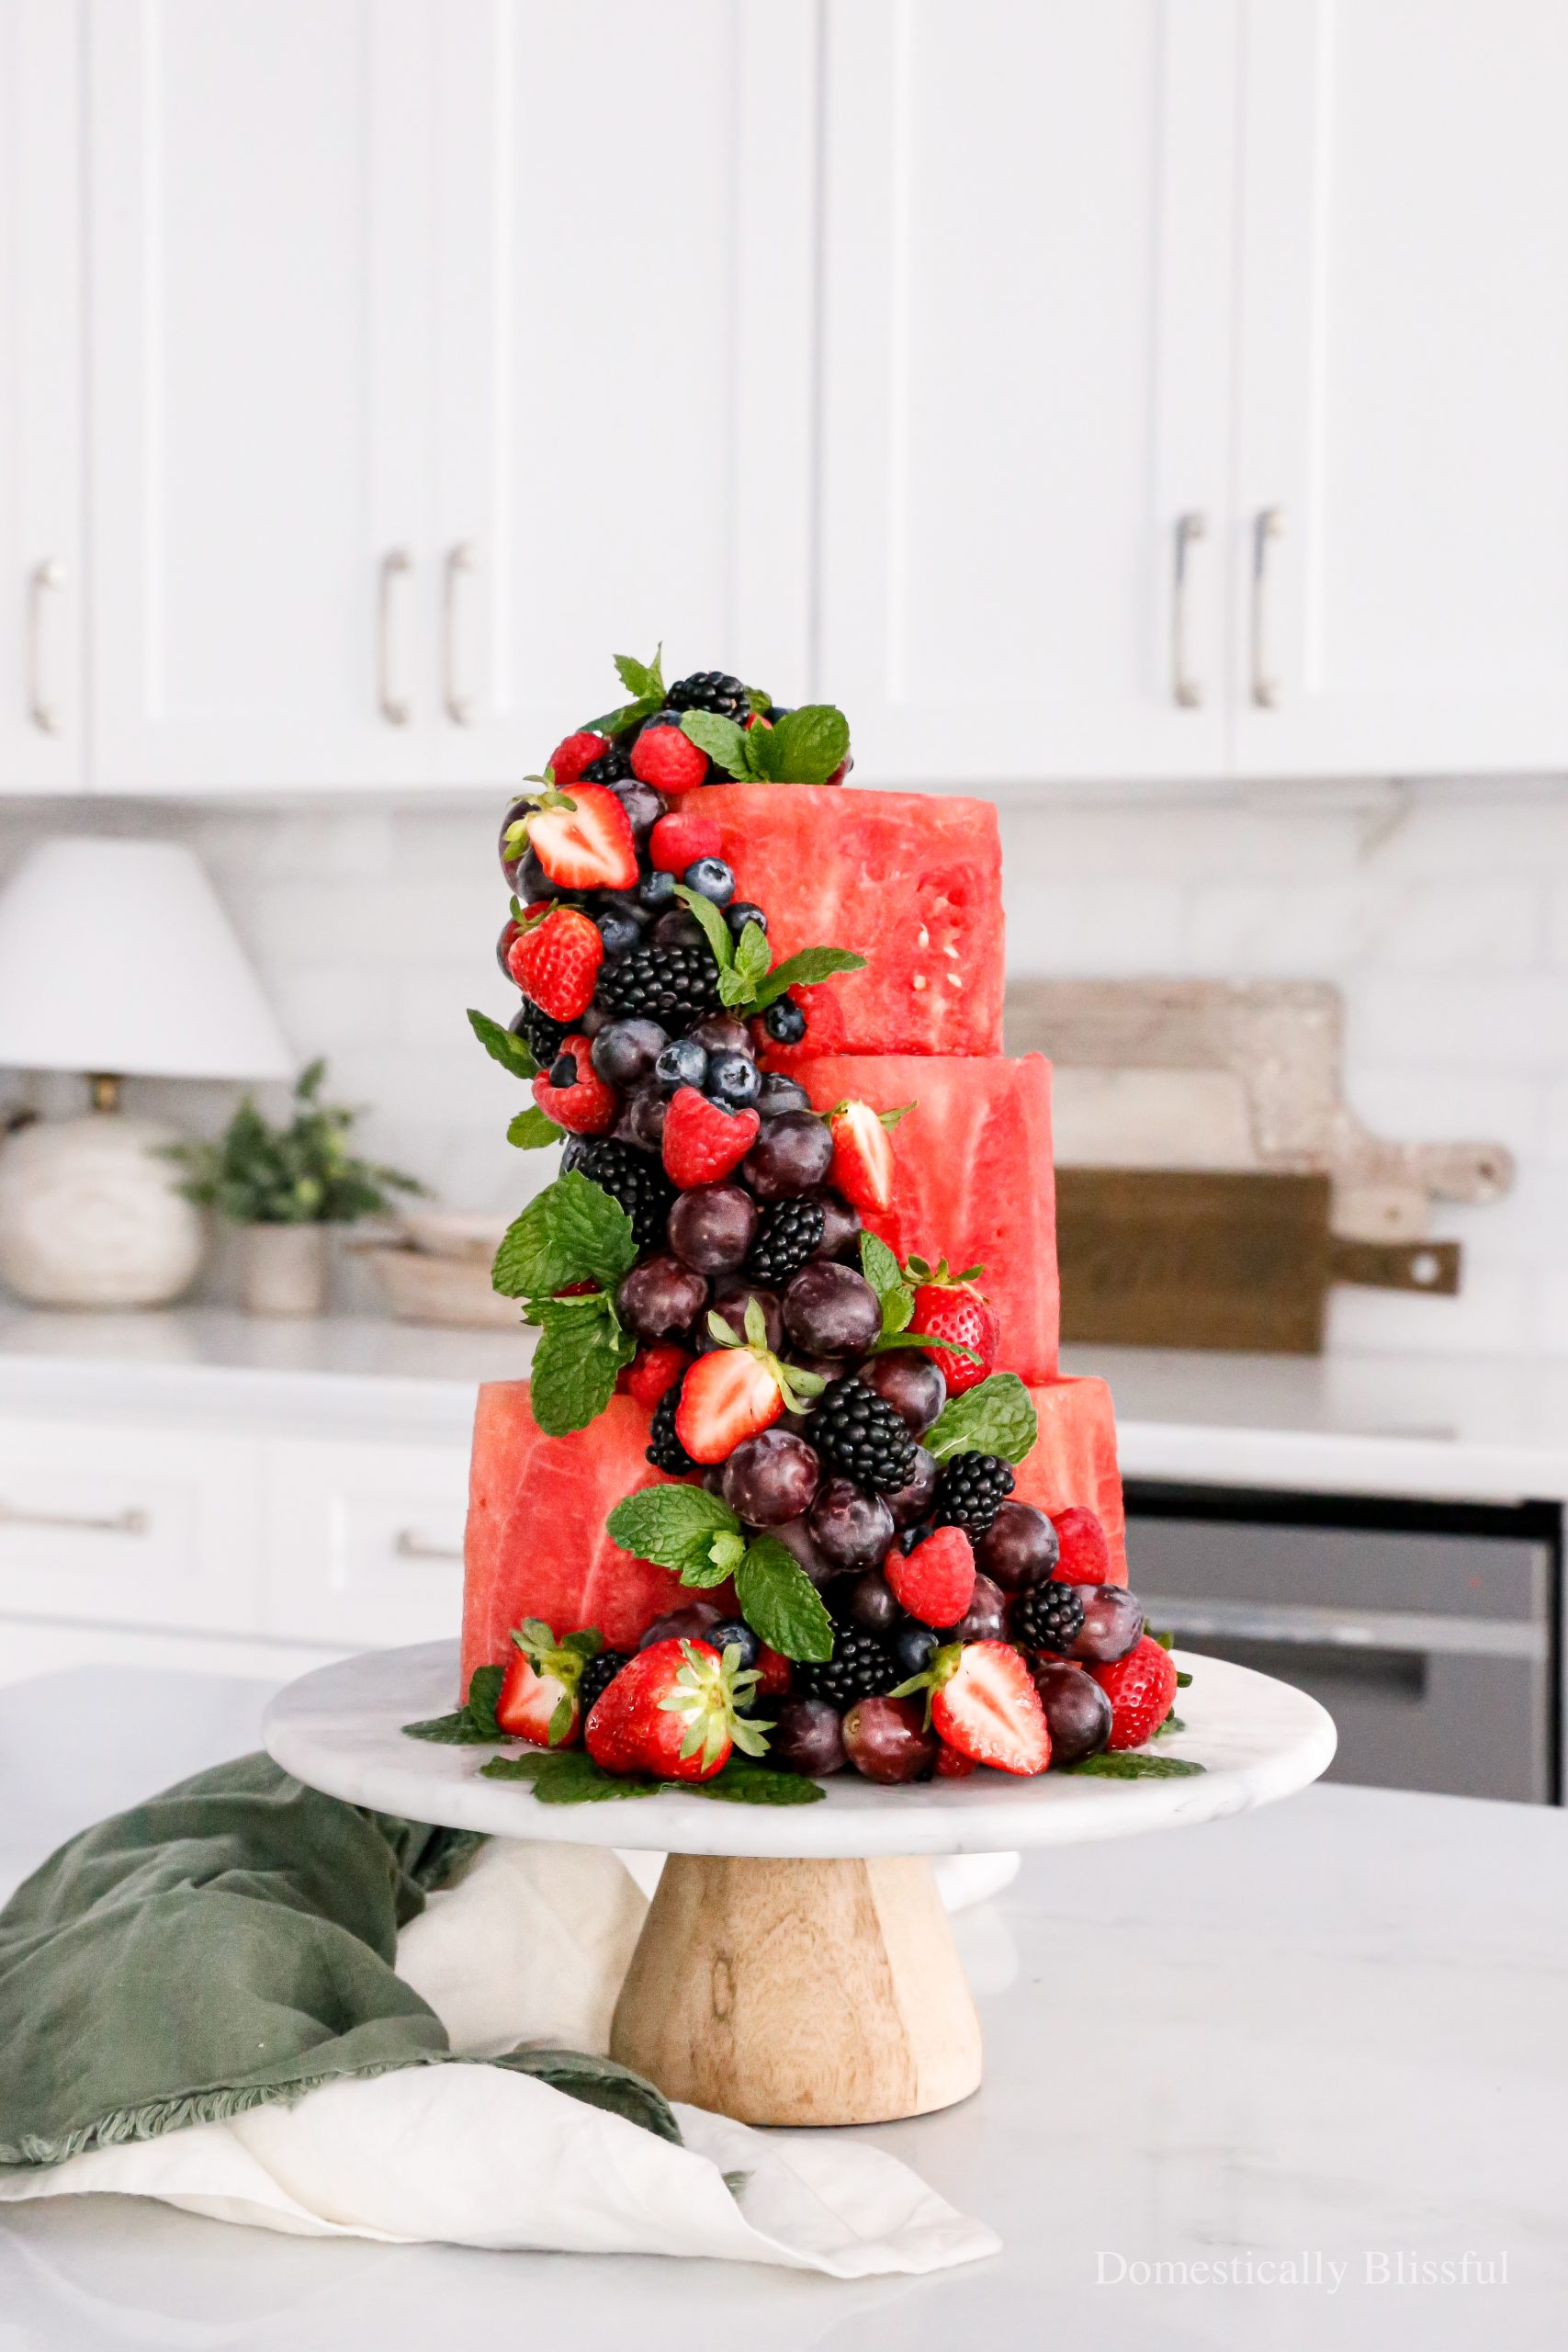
(775,1503)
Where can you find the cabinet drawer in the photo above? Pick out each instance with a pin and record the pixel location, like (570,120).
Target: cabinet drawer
(129,1525)
(365,1542)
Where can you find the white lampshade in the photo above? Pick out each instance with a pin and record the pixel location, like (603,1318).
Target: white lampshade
(116,955)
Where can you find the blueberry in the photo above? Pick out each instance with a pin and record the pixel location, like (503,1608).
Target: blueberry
(618,930)
(741,913)
(735,1080)
(785,1022)
(711,879)
(911,1648)
(563,1070)
(731,1631)
(657,891)
(682,1063)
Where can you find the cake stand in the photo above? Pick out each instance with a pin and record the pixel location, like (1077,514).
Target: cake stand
(797,1966)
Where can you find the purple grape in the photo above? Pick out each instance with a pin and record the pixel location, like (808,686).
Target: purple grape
(660,1297)
(795,1536)
(626,1051)
(1077,1712)
(791,1156)
(986,1619)
(643,806)
(806,1737)
(720,1033)
(840,1225)
(867,1602)
(912,1503)
(730,1294)
(1113,1624)
(911,1382)
(711,1227)
(1019,1549)
(644,1115)
(831,1310)
(780,1093)
(770,1478)
(676,928)
(852,1530)
(886,1740)
(689,1625)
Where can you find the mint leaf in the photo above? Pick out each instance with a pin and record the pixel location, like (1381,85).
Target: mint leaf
(781,1604)
(997,1417)
(532,1129)
(473,1725)
(805,970)
(571,1232)
(715,928)
(643,679)
(510,1052)
(573,1373)
(1126,1765)
(724,742)
(879,1266)
(567,1776)
(717,1564)
(807,744)
(744,1783)
(613,722)
(675,1528)
(1163,1731)
(1183,1681)
(752,953)
(484,1691)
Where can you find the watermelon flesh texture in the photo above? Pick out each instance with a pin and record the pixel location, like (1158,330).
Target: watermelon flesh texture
(911,881)
(1074,1460)
(972,1177)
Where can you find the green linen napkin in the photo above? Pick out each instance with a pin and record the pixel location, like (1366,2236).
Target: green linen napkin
(226,1944)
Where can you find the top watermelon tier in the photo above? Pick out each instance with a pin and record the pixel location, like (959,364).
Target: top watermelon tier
(911,881)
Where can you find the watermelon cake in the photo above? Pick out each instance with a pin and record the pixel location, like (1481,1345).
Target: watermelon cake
(794,1486)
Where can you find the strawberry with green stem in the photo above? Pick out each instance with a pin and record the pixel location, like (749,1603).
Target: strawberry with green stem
(738,1390)
(675,1710)
(948,1307)
(537,1701)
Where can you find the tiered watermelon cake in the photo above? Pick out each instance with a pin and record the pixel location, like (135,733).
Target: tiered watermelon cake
(796,1482)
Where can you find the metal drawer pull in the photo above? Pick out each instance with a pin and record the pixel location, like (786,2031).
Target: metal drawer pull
(1187,691)
(461,563)
(47,579)
(1361,1629)
(396,564)
(1269,526)
(409,1544)
(123,1523)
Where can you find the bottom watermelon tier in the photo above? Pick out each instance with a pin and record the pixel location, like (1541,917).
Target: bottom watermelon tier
(536,1544)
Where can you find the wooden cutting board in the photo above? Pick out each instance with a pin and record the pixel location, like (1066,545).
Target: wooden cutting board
(1184,1258)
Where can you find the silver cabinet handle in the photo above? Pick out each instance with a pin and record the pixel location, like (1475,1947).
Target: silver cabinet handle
(121,1522)
(396,564)
(461,562)
(1268,526)
(1186,690)
(409,1544)
(47,580)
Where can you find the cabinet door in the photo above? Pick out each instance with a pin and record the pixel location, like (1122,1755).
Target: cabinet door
(258,230)
(365,1542)
(1403,382)
(624,356)
(41,398)
(1025,381)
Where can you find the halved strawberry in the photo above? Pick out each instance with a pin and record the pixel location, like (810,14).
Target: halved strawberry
(738,1389)
(951,1766)
(1141,1688)
(948,1307)
(574,753)
(582,1103)
(862,1152)
(556,961)
(583,839)
(1084,1557)
(678,841)
(935,1582)
(667,758)
(653,1370)
(538,1691)
(983,1703)
(672,1711)
(702,1141)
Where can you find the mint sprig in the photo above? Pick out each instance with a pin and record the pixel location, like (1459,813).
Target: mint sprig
(474,1724)
(806,746)
(510,1052)
(995,1417)
(569,1776)
(781,1604)
(745,982)
(699,1539)
(582,1348)
(644,681)
(532,1129)
(896,1296)
(1128,1764)
(571,1232)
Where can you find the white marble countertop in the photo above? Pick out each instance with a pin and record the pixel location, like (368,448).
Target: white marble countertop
(1297,2056)
(1479,1429)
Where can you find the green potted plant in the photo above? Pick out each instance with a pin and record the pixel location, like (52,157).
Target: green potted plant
(284,1187)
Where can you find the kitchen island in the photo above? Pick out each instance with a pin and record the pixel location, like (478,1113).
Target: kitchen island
(1310,2062)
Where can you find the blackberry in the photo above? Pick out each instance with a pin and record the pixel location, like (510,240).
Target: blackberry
(611,767)
(787,1235)
(632,1177)
(859,1668)
(663,983)
(711,690)
(598,1675)
(543,1037)
(863,1437)
(665,1450)
(971,1490)
(1048,1617)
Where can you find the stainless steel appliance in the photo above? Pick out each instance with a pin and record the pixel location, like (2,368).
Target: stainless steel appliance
(1428,1631)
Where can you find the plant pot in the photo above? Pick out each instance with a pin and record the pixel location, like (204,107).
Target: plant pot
(283,1269)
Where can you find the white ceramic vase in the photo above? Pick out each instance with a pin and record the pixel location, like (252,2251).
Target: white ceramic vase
(89,1216)
(283,1269)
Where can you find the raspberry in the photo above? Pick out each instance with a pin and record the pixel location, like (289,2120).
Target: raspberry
(1085,1556)
(655,1370)
(702,1141)
(668,759)
(573,1094)
(574,753)
(935,1582)
(680,839)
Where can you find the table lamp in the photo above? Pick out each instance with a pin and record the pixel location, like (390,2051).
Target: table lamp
(117,960)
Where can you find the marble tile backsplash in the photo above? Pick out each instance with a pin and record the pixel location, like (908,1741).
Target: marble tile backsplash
(1441,911)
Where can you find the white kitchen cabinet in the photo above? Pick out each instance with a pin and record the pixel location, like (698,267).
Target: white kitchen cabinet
(258,225)
(1403,382)
(624,355)
(42,733)
(1025,385)
(365,1542)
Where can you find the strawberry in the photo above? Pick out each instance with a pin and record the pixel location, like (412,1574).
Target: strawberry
(667,758)
(653,1370)
(935,1582)
(863,1153)
(984,1704)
(1141,1688)
(774,1673)
(672,1711)
(951,1766)
(679,839)
(573,754)
(738,1389)
(948,1307)
(842,770)
(583,839)
(1085,1553)
(702,1141)
(556,961)
(582,1103)
(538,1692)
